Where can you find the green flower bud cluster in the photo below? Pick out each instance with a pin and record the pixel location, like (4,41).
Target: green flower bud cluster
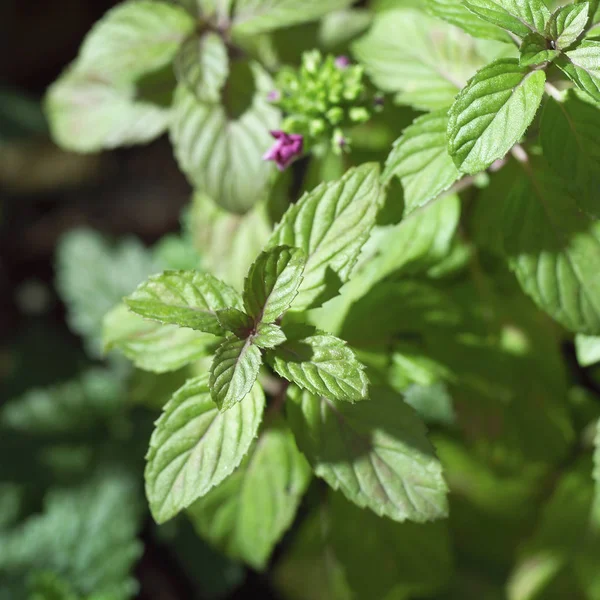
(323,98)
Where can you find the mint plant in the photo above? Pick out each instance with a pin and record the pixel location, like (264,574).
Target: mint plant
(400,329)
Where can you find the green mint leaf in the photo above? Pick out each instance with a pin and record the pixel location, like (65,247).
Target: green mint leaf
(184,298)
(226,242)
(330,224)
(340,27)
(593,15)
(534,50)
(519,16)
(554,249)
(235,321)
(368,569)
(420,159)
(233,371)
(492,113)
(426,66)
(455,13)
(194,446)
(582,66)
(251,17)
(222,156)
(570,137)
(567,23)
(323,365)
(272,283)
(202,65)
(268,335)
(133,39)
(152,346)
(587,348)
(93,275)
(248,513)
(376,453)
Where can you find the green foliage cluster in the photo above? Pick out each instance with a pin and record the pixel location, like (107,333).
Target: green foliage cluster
(390,350)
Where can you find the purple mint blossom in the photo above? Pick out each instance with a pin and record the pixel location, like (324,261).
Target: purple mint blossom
(285,150)
(274,96)
(341,62)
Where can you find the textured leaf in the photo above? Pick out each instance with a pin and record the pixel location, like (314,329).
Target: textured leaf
(323,365)
(233,372)
(420,159)
(567,24)
(268,335)
(375,452)
(153,346)
(134,38)
(330,224)
(222,157)
(588,349)
(570,137)
(184,298)
(582,65)
(273,282)
(257,16)
(247,514)
(194,446)
(202,65)
(228,242)
(74,406)
(519,16)
(427,64)
(92,276)
(235,321)
(88,114)
(492,113)
(455,13)
(534,50)
(422,560)
(554,250)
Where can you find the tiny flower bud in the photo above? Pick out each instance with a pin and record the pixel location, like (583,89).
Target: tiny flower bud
(274,96)
(285,150)
(341,62)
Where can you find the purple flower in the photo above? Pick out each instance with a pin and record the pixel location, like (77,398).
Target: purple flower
(274,96)
(341,62)
(285,150)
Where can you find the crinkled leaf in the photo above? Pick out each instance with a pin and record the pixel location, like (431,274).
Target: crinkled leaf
(268,335)
(235,321)
(588,349)
(233,371)
(184,298)
(519,16)
(455,13)
(570,137)
(420,159)
(228,242)
(202,65)
(424,60)
(273,282)
(375,452)
(554,249)
(194,446)
(492,113)
(582,65)
(321,364)
(247,514)
(153,346)
(257,16)
(535,51)
(134,38)
(567,24)
(222,157)
(330,224)
(92,276)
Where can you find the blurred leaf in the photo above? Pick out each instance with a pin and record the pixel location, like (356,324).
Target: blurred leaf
(93,276)
(588,349)
(339,27)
